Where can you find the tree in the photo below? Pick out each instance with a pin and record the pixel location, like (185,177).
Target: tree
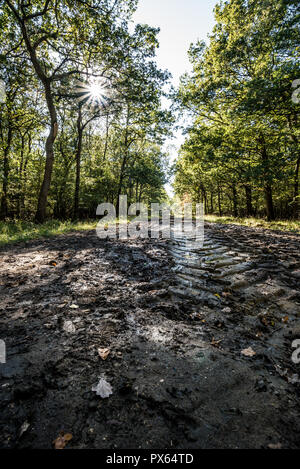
(240,98)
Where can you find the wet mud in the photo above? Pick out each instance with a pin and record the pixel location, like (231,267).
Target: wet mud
(176,324)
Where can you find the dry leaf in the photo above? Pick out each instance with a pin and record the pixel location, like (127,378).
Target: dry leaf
(62,440)
(285,320)
(248,352)
(24,428)
(275,446)
(103,389)
(74,307)
(294,379)
(69,327)
(103,353)
(215,343)
(225,294)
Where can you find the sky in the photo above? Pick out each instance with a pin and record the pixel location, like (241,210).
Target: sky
(181,22)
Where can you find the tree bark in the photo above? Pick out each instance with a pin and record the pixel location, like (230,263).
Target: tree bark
(296,204)
(4,201)
(249,206)
(235,201)
(43,196)
(78,164)
(269,202)
(296,190)
(268,186)
(124,163)
(219,201)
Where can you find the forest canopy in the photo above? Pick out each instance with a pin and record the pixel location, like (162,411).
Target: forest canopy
(241,155)
(82,121)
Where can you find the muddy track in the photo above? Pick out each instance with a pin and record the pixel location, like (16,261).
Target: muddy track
(175,324)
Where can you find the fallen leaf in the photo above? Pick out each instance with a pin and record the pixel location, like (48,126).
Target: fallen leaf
(286,319)
(24,428)
(61,441)
(217,295)
(69,327)
(294,379)
(74,307)
(103,353)
(215,343)
(103,389)
(248,352)
(225,294)
(275,446)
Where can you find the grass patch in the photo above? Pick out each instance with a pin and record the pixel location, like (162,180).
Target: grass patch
(18,231)
(281,225)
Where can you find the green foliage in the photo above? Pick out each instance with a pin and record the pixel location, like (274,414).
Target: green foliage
(278,225)
(241,154)
(101,150)
(20,231)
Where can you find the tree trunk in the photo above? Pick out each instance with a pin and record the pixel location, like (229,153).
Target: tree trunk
(269,202)
(106,138)
(219,201)
(4,203)
(20,195)
(296,204)
(249,207)
(268,186)
(212,202)
(124,162)
(78,164)
(235,201)
(296,190)
(43,196)
(204,197)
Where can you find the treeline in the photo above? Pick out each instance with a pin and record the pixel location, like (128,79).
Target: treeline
(82,121)
(242,155)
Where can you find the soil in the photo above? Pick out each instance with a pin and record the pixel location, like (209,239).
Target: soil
(178,375)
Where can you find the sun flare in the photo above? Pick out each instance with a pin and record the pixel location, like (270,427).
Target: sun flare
(95,92)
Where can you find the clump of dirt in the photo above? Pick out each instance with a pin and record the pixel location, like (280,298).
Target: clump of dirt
(175,365)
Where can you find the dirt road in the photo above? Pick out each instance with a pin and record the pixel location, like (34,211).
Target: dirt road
(178,375)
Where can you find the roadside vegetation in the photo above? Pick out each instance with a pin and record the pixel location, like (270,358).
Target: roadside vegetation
(280,225)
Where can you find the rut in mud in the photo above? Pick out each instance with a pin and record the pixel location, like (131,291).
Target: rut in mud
(175,326)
